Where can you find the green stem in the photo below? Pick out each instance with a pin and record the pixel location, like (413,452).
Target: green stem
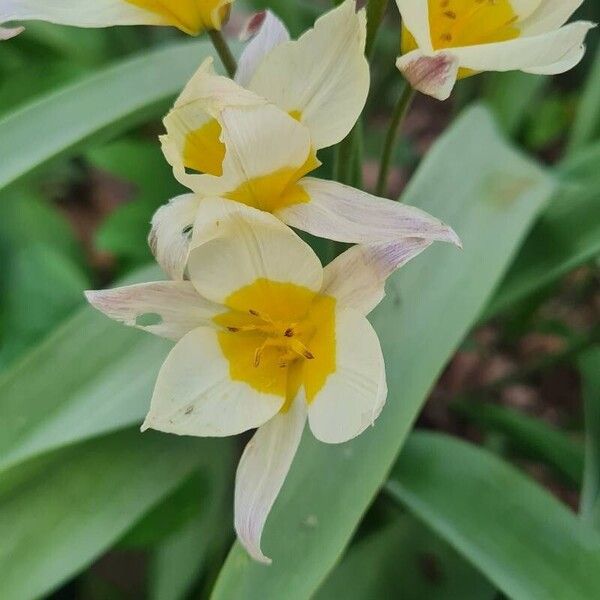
(375,13)
(398,117)
(223,51)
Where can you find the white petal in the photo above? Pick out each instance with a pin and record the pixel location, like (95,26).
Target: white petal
(551,14)
(525,53)
(169,309)
(415,16)
(323,76)
(345,214)
(356,278)
(171,231)
(431,75)
(195,395)
(271,34)
(524,8)
(354,395)
(570,60)
(262,470)
(234,245)
(7,33)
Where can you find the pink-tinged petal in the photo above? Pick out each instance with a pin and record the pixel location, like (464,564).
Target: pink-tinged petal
(261,473)
(354,395)
(267,32)
(344,214)
(431,75)
(356,278)
(7,33)
(171,232)
(168,309)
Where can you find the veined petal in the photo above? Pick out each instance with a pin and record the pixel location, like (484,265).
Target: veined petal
(551,14)
(434,75)
(345,214)
(7,33)
(356,278)
(235,245)
(169,239)
(191,16)
(415,17)
(168,309)
(195,395)
(261,473)
(525,53)
(323,77)
(352,397)
(272,32)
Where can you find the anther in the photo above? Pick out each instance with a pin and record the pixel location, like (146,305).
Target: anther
(254,313)
(289,332)
(233,329)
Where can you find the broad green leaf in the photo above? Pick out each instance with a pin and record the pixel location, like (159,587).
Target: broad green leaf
(529,435)
(491,198)
(566,235)
(521,537)
(404,560)
(589,366)
(54,524)
(89,377)
(110,101)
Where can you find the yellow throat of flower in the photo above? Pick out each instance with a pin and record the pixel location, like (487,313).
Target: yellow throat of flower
(456,23)
(279,336)
(191,16)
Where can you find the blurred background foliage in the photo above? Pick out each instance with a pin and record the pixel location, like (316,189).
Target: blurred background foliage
(496,494)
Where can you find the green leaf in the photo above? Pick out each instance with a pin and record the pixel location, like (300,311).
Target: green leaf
(404,560)
(566,236)
(589,365)
(56,523)
(90,377)
(111,101)
(531,436)
(491,198)
(520,536)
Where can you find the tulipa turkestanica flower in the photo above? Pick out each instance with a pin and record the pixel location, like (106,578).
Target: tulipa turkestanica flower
(266,338)
(256,143)
(446,40)
(191,16)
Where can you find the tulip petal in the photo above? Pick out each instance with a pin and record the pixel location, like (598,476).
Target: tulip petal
(415,17)
(168,309)
(551,14)
(431,75)
(356,278)
(234,245)
(345,214)
(272,33)
(195,395)
(525,53)
(323,77)
(261,473)
(570,60)
(171,231)
(352,397)
(7,33)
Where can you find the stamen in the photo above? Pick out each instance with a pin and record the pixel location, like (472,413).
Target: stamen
(233,329)
(289,332)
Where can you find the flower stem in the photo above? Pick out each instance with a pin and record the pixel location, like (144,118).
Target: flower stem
(223,51)
(398,117)
(375,13)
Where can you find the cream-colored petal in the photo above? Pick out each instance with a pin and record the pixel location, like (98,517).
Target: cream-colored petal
(415,17)
(169,309)
(570,60)
(525,53)
(235,245)
(345,214)
(551,14)
(525,8)
(261,473)
(195,395)
(271,33)
(356,278)
(171,231)
(434,75)
(7,33)
(352,397)
(323,77)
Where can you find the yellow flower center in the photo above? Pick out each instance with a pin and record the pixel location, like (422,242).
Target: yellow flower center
(191,16)
(279,336)
(456,23)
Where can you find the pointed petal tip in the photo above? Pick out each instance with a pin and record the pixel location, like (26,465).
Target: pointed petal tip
(453,238)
